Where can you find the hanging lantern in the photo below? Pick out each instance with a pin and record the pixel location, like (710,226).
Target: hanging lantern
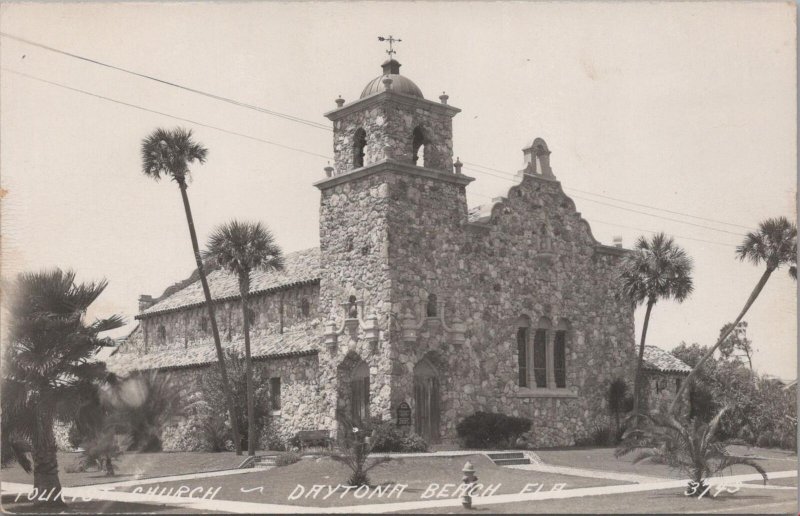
(408,327)
(371,330)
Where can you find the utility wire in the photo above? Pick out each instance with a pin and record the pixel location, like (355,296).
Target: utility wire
(622,200)
(135,106)
(317,125)
(239,103)
(621,207)
(53,83)
(593,221)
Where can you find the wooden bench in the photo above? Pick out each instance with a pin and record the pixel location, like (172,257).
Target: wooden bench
(314,438)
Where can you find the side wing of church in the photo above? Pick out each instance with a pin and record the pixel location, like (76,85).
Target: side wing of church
(412,298)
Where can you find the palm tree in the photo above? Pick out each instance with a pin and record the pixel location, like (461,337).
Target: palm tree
(242,247)
(169,153)
(47,368)
(775,245)
(691,448)
(655,269)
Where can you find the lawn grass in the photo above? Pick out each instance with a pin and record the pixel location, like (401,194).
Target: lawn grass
(93,507)
(147,465)
(416,473)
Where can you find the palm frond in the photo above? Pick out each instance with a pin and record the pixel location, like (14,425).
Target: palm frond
(242,247)
(169,153)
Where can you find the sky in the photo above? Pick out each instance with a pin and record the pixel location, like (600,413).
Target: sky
(652,111)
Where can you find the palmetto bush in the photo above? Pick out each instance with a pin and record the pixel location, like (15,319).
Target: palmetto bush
(354,452)
(143,405)
(690,447)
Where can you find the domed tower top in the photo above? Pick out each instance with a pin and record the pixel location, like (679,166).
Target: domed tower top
(392,124)
(400,84)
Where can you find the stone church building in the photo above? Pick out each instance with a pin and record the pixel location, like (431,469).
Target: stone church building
(413,297)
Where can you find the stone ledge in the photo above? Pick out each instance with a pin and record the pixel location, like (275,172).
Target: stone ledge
(391,165)
(546,393)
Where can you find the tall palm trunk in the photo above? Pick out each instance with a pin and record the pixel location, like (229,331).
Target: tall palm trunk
(244,290)
(46,484)
(226,387)
(753,295)
(637,381)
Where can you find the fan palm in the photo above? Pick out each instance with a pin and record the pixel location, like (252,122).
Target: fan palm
(47,367)
(774,245)
(169,153)
(243,247)
(691,448)
(655,269)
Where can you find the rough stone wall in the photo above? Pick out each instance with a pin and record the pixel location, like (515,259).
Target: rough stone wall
(535,257)
(354,253)
(659,388)
(184,328)
(389,127)
(299,395)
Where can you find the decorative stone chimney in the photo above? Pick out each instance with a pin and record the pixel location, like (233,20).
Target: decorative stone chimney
(618,241)
(145,302)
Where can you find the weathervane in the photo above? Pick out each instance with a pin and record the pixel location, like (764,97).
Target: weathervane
(391,40)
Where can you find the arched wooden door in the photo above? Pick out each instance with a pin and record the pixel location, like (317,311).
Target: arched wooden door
(359,394)
(426,401)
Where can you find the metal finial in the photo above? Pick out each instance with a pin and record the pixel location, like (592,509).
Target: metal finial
(391,40)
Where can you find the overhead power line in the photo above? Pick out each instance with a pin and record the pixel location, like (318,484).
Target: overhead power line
(623,200)
(505,175)
(235,102)
(317,125)
(620,207)
(142,108)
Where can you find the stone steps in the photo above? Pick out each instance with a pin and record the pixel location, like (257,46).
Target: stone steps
(509,458)
(259,461)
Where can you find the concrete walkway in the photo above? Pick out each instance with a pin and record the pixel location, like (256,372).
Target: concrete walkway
(418,505)
(589,473)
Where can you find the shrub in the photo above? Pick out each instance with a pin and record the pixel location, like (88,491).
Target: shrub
(143,405)
(599,436)
(210,385)
(284,459)
(413,443)
(100,452)
(354,453)
(187,435)
(385,437)
(490,430)
(270,440)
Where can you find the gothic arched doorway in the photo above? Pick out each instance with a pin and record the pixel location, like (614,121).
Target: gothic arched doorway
(352,405)
(359,393)
(426,401)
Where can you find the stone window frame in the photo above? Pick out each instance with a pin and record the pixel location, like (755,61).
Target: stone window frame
(527,335)
(359,147)
(275,399)
(432,306)
(419,139)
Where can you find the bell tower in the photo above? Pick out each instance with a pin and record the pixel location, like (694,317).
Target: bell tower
(391,213)
(392,121)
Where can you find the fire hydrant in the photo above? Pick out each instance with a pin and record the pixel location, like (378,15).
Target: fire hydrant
(469,480)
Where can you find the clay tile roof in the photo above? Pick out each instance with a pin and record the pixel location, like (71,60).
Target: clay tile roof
(294,343)
(301,267)
(656,359)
